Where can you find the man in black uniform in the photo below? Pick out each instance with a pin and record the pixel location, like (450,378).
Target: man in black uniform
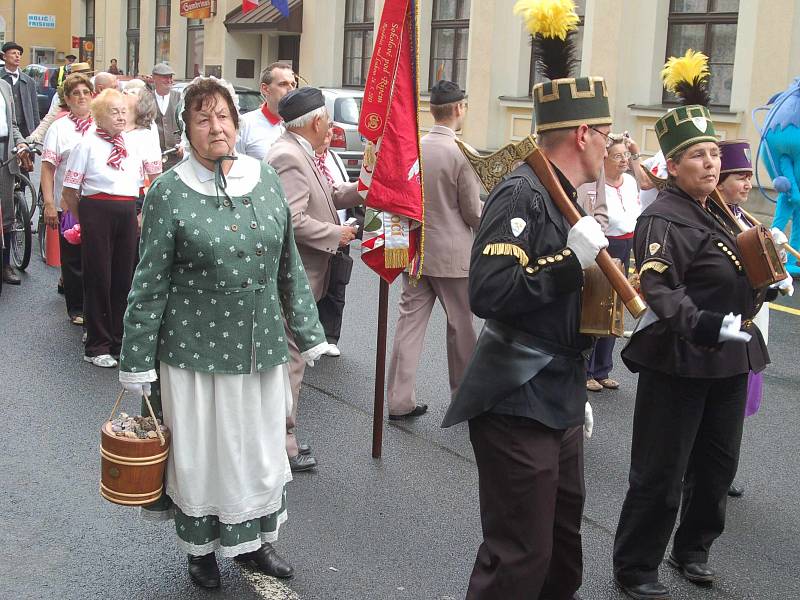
(524,392)
(693,354)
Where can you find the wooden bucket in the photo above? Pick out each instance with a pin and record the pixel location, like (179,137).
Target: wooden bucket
(132,470)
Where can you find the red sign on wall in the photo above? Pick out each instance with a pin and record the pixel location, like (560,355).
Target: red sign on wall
(76,41)
(195,9)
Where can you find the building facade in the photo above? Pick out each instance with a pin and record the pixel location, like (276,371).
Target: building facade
(42,27)
(479,43)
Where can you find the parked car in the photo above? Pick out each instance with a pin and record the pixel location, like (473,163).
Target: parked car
(344,106)
(249,99)
(43,75)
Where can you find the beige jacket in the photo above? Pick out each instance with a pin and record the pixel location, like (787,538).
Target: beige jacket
(313,203)
(452,205)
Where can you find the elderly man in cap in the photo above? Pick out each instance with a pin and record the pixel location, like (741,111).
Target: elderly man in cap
(452,212)
(23,88)
(260,128)
(9,137)
(166,117)
(317,231)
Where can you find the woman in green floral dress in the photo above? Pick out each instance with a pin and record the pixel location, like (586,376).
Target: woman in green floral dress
(218,269)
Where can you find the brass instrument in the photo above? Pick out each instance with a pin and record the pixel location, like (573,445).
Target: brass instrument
(493,168)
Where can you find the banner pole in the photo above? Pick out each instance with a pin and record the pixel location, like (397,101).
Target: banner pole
(380,369)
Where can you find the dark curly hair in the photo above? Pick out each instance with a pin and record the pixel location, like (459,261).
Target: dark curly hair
(201,94)
(70,83)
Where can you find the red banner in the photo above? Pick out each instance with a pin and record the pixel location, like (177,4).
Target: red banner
(391,175)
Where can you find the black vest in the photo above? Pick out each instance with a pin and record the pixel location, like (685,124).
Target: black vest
(16,90)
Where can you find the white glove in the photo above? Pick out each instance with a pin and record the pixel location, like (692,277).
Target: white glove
(137,389)
(586,239)
(779,237)
(785,286)
(314,354)
(588,421)
(731,329)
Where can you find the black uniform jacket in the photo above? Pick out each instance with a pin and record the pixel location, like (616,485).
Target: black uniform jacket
(691,277)
(527,284)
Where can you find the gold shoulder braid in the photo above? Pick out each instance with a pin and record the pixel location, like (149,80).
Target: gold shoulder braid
(655,265)
(501,249)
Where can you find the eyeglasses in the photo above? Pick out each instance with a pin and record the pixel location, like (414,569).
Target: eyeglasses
(609,139)
(620,157)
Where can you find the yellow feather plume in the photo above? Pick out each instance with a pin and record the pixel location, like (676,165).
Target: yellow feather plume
(550,18)
(692,65)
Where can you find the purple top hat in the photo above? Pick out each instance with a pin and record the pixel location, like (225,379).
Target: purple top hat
(735,156)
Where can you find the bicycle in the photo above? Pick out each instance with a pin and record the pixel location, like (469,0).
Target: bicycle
(20,234)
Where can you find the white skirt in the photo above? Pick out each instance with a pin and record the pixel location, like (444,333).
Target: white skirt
(228,451)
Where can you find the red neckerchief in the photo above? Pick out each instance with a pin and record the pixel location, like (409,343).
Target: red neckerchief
(323,168)
(272,118)
(81,125)
(118,151)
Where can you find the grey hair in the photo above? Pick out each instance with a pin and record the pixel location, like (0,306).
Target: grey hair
(146,109)
(305,119)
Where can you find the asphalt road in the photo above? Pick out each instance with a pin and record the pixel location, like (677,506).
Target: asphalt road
(403,527)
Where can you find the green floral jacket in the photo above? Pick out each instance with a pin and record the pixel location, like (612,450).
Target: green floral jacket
(214,279)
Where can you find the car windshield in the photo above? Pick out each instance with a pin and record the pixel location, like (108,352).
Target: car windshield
(346,110)
(248,100)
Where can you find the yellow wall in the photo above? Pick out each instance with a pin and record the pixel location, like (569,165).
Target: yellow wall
(17,26)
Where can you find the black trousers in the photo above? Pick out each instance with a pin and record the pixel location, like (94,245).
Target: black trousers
(531,495)
(71,273)
(331,306)
(108,240)
(685,451)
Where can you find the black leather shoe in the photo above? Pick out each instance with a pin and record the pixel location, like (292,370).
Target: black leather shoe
(735,491)
(304,449)
(696,572)
(268,561)
(10,276)
(204,570)
(302,462)
(645,591)
(419,409)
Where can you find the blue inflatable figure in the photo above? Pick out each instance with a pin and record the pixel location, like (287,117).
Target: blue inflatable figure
(781,156)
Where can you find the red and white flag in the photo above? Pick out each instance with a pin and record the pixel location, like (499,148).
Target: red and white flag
(391,178)
(248,5)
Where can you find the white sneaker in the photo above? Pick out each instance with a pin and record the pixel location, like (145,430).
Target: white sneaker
(105,361)
(333,350)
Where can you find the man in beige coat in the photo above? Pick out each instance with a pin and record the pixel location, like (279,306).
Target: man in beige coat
(452,212)
(317,230)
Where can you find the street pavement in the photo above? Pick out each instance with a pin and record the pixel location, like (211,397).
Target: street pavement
(402,527)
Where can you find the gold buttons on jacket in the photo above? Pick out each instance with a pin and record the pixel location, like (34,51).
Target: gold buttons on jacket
(566,252)
(542,261)
(550,259)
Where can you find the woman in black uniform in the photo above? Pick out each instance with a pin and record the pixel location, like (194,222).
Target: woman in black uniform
(693,352)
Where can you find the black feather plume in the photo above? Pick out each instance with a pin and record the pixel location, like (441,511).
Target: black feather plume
(555,57)
(695,92)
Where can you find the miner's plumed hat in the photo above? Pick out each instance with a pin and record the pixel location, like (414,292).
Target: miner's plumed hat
(12,46)
(300,102)
(445,92)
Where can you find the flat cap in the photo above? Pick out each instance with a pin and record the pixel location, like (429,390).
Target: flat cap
(12,46)
(300,102)
(445,92)
(163,68)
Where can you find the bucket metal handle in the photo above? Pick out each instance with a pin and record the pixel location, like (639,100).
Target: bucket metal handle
(149,407)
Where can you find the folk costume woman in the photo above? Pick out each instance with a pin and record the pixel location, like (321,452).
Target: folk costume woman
(693,351)
(63,135)
(734,185)
(104,174)
(218,269)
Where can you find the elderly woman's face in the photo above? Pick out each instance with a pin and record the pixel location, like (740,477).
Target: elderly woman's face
(113,120)
(211,128)
(617,160)
(78,100)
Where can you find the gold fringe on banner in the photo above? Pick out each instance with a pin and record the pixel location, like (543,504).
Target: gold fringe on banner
(395,258)
(507,250)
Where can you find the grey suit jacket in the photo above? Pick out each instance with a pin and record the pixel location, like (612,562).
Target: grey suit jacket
(313,203)
(30,103)
(167,123)
(452,205)
(14,136)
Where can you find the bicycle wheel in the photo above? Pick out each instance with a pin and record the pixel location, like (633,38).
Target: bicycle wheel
(21,238)
(41,228)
